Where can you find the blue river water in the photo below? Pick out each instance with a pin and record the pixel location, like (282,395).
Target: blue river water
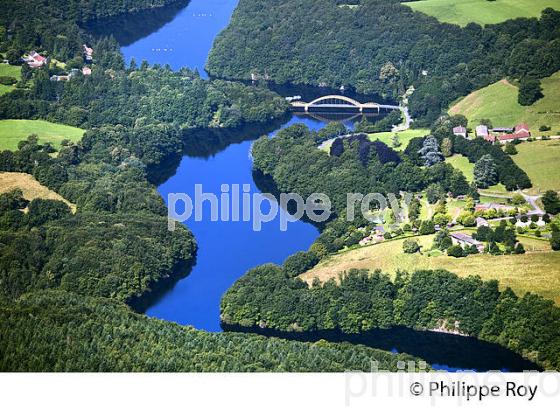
(226,249)
(187,39)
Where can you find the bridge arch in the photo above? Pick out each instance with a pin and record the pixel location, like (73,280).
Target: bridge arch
(335,97)
(337,100)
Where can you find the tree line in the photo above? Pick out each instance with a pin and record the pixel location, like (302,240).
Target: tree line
(359,301)
(64,332)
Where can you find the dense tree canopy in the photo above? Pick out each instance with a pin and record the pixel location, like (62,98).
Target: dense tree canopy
(362,301)
(382,46)
(95,334)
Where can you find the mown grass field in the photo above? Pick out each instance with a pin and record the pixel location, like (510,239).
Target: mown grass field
(14,131)
(462,12)
(536,271)
(462,164)
(498,102)
(404,136)
(30,187)
(541,161)
(9,71)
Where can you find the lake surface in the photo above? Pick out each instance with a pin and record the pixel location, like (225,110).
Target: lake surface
(226,249)
(182,36)
(186,40)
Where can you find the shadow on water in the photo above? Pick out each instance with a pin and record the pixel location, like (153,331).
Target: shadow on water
(132,27)
(207,142)
(453,350)
(160,288)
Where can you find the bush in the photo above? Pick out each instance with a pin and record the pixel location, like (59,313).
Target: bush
(544,128)
(456,251)
(510,149)
(468,220)
(299,262)
(6,80)
(410,246)
(551,202)
(529,91)
(555,239)
(538,233)
(472,250)
(427,228)
(518,199)
(519,249)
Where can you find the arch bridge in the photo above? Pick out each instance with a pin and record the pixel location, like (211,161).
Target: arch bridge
(340,102)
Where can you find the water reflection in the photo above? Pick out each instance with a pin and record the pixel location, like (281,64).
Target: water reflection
(457,352)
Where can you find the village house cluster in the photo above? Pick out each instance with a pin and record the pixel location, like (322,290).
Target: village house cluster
(520,132)
(36,60)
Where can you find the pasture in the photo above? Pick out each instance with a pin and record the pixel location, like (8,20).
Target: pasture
(462,12)
(536,271)
(14,131)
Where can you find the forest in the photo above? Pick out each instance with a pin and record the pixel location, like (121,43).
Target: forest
(64,332)
(67,278)
(382,47)
(361,301)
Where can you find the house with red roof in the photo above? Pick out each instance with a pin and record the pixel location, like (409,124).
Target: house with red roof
(521,132)
(35,60)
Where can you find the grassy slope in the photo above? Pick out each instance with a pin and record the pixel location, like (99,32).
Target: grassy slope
(404,136)
(462,12)
(462,164)
(14,131)
(541,161)
(9,71)
(30,187)
(498,102)
(536,271)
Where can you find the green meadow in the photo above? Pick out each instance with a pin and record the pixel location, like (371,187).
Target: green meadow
(536,271)
(9,71)
(404,136)
(462,12)
(462,164)
(498,102)
(541,161)
(14,131)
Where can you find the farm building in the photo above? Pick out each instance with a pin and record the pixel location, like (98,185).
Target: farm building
(460,132)
(464,240)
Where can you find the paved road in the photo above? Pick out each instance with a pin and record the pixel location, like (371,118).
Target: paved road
(532,200)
